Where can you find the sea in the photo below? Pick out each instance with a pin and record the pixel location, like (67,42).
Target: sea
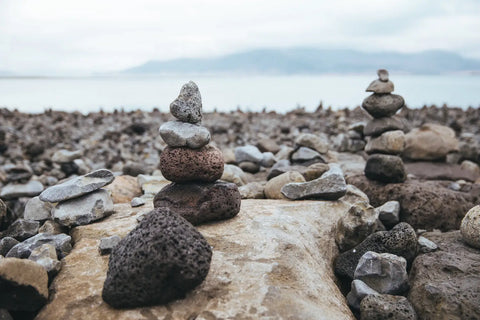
(225,93)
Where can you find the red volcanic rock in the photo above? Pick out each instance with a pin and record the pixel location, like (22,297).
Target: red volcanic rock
(185,165)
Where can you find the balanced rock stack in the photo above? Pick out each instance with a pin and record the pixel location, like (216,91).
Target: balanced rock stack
(385,132)
(193,165)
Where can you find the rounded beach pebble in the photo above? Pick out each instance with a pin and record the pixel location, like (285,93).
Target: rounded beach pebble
(470,227)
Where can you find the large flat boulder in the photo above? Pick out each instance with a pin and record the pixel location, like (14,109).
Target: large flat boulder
(272,261)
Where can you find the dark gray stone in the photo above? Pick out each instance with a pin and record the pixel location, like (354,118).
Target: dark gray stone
(22,229)
(184,134)
(62,243)
(78,186)
(188,106)
(376,127)
(46,256)
(160,260)
(401,241)
(385,168)
(389,213)
(200,202)
(385,306)
(6,244)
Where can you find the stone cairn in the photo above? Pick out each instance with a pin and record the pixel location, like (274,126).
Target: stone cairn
(165,257)
(386,132)
(193,165)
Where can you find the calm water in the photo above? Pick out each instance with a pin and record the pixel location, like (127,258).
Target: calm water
(225,93)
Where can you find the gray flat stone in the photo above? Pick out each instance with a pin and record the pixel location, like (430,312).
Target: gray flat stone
(16,190)
(83,210)
(137,202)
(78,186)
(330,186)
(248,153)
(22,229)
(108,243)
(62,243)
(184,134)
(379,86)
(65,156)
(358,291)
(38,210)
(188,106)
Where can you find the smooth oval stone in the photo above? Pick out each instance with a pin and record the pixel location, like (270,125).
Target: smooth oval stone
(159,261)
(200,202)
(78,186)
(184,134)
(379,86)
(376,127)
(385,168)
(470,227)
(390,142)
(383,105)
(188,106)
(184,164)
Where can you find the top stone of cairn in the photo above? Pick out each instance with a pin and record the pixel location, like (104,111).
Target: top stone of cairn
(382,84)
(188,106)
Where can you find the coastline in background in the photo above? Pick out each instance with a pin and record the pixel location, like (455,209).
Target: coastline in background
(280,93)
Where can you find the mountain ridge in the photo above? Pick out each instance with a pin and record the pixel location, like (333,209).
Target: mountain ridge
(304,60)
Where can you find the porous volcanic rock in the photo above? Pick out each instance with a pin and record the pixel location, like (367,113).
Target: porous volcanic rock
(444,283)
(162,259)
(401,241)
(184,164)
(423,204)
(386,306)
(200,202)
(188,106)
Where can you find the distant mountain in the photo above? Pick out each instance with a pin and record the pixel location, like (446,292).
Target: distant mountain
(313,61)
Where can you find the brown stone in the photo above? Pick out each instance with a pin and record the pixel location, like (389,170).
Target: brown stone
(445,283)
(124,188)
(423,204)
(183,164)
(200,202)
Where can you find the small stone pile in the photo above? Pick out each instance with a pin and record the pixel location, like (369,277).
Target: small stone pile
(386,132)
(193,165)
(79,201)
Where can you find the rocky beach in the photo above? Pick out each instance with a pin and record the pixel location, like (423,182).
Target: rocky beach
(369,212)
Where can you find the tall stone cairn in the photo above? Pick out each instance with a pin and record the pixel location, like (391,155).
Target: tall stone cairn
(193,165)
(385,132)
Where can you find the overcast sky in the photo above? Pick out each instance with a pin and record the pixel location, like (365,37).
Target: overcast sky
(80,37)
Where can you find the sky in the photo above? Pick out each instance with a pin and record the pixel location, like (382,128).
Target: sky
(60,37)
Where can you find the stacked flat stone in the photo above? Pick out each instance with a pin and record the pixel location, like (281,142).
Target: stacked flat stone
(193,165)
(386,132)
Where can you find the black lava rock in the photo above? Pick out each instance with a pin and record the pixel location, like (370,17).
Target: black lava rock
(200,202)
(401,241)
(385,168)
(162,259)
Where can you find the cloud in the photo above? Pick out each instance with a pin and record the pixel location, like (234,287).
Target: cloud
(53,36)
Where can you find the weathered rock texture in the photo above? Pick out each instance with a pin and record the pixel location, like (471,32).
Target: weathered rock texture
(200,202)
(445,283)
(159,261)
(274,261)
(423,204)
